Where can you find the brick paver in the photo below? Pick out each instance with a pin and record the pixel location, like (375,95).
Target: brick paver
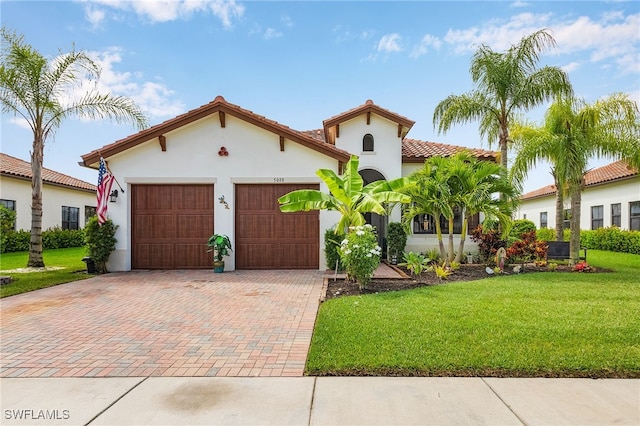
(163,323)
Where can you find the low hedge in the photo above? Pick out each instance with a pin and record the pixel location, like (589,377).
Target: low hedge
(610,239)
(52,238)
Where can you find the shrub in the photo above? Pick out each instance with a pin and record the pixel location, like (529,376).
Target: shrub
(15,241)
(360,254)
(488,241)
(331,247)
(611,239)
(416,263)
(101,241)
(519,227)
(55,238)
(546,234)
(433,255)
(396,239)
(527,249)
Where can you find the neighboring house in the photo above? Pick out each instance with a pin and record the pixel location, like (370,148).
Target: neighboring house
(67,202)
(222,168)
(611,197)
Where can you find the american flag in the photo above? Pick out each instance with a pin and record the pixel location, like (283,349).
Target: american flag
(105,180)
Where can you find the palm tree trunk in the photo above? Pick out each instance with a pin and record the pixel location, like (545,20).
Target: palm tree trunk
(559,211)
(463,236)
(574,240)
(450,254)
(35,243)
(443,254)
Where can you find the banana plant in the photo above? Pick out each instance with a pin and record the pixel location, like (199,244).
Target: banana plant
(347,195)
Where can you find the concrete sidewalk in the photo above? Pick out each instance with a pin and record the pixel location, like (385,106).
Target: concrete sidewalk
(318,401)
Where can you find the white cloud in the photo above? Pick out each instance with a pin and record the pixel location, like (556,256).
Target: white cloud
(287,21)
(519,3)
(19,121)
(612,39)
(163,10)
(390,43)
(271,33)
(498,34)
(426,42)
(571,66)
(154,98)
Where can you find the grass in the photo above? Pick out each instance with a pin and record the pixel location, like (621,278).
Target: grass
(537,324)
(69,260)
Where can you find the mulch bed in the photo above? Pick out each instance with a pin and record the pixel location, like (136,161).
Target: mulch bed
(339,287)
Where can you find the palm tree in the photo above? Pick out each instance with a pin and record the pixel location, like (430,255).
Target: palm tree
(348,195)
(573,132)
(430,194)
(39,91)
(461,183)
(476,185)
(506,84)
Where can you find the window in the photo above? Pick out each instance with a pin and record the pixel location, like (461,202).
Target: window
(616,215)
(367,143)
(597,217)
(89,212)
(426,224)
(11,205)
(70,217)
(634,216)
(566,218)
(544,221)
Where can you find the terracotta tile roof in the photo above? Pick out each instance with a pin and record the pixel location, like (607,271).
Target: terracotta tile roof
(414,150)
(218,105)
(12,166)
(611,172)
(368,106)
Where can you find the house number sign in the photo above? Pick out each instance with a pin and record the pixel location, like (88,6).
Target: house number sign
(278,179)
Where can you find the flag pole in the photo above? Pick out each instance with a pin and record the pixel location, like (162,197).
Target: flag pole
(106,163)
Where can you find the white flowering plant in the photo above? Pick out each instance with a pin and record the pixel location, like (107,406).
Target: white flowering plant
(360,254)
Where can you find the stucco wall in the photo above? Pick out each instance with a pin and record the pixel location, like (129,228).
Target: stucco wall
(622,192)
(192,157)
(53,198)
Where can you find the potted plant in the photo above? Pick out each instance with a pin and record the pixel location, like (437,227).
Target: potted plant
(220,246)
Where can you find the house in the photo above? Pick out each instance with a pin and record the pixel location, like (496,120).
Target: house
(611,197)
(67,202)
(221,168)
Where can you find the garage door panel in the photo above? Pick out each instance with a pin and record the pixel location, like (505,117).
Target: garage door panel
(171,225)
(191,256)
(153,256)
(193,226)
(290,255)
(256,256)
(262,230)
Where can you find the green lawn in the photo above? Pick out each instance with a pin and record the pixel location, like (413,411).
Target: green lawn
(535,324)
(70,260)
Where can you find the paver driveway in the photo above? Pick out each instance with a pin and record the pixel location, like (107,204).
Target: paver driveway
(163,323)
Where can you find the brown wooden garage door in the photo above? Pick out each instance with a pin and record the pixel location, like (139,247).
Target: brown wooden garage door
(171,225)
(269,239)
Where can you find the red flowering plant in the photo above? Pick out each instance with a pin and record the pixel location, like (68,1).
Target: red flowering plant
(527,249)
(582,267)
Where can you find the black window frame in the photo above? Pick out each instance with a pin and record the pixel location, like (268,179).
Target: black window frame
(544,223)
(425,224)
(616,217)
(597,217)
(11,205)
(368,144)
(89,212)
(70,218)
(634,218)
(566,219)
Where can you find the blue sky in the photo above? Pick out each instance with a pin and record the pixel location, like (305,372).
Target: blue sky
(302,62)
